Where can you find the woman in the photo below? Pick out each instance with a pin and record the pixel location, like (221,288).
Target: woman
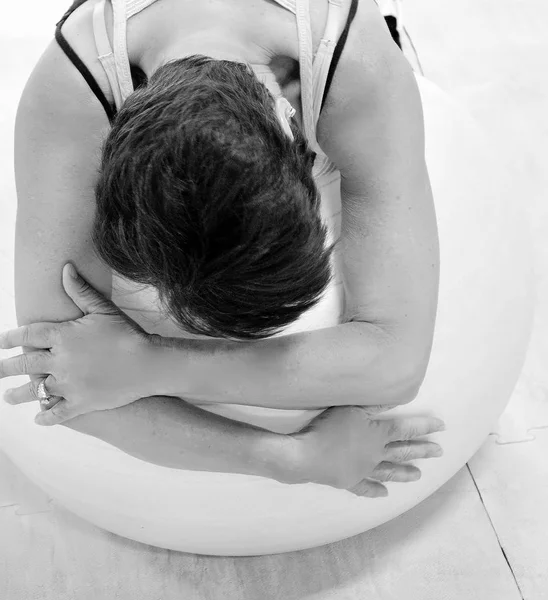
(189,133)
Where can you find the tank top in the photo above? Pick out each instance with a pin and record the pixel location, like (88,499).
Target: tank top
(316,71)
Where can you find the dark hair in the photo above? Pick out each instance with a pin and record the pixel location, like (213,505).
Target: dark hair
(202,195)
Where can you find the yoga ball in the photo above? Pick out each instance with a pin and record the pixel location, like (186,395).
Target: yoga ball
(482,332)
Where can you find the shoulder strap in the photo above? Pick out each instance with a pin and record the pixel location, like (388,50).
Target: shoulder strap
(337,52)
(115,58)
(104,51)
(324,55)
(76,4)
(79,64)
(306,70)
(315,70)
(119,47)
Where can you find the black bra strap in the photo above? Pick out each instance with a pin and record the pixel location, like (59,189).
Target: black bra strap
(77,62)
(339,49)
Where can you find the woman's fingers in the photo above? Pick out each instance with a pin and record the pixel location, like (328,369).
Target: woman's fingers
(29,392)
(369,489)
(86,298)
(30,363)
(390,471)
(407,428)
(59,413)
(387,471)
(401,452)
(35,335)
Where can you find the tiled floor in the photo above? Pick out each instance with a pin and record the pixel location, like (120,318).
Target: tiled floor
(482,536)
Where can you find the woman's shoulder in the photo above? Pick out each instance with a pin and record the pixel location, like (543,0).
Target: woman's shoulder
(77,30)
(57,103)
(59,129)
(56,98)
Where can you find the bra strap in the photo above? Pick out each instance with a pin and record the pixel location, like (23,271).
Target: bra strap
(324,56)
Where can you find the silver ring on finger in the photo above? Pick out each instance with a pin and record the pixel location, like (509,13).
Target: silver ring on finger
(42,393)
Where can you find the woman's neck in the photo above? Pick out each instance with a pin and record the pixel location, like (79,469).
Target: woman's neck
(247,31)
(214,44)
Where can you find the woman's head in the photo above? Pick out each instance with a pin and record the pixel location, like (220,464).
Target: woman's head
(202,195)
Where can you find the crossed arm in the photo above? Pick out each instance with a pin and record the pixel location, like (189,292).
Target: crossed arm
(372,128)
(390,260)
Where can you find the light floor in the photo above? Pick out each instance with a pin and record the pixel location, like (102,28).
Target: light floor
(483,536)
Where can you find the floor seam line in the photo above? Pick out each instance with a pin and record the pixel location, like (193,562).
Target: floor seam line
(495,532)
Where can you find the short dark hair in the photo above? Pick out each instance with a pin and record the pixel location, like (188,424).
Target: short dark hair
(202,195)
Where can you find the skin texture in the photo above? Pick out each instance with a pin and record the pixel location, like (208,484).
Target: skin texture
(57,151)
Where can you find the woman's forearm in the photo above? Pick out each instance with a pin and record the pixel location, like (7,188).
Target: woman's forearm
(172,433)
(351,364)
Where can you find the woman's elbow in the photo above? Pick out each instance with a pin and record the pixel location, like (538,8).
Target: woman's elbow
(412,372)
(405,372)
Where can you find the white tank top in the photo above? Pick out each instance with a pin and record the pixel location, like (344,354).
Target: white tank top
(313,68)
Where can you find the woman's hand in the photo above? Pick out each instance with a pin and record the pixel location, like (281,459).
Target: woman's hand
(97,362)
(346,448)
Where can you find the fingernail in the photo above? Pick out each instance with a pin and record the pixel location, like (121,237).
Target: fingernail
(7,394)
(71,271)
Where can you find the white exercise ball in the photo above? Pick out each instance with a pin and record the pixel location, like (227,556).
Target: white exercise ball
(482,332)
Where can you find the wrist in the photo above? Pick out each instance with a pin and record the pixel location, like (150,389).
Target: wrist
(158,367)
(194,369)
(282,458)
